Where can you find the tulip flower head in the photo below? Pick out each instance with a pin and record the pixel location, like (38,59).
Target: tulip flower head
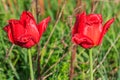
(88,30)
(26,32)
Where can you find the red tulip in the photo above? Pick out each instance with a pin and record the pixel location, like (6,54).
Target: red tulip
(88,30)
(25,32)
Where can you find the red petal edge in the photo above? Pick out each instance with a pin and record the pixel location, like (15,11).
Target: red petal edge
(43,25)
(80,18)
(94,18)
(105,29)
(83,41)
(25,16)
(8,30)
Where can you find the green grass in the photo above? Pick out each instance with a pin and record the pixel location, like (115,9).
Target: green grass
(16,67)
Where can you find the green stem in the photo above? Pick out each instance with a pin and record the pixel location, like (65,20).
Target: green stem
(91,64)
(30,63)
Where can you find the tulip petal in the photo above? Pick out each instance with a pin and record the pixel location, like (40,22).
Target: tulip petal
(83,41)
(94,18)
(28,44)
(24,38)
(8,30)
(16,28)
(25,41)
(43,25)
(32,30)
(93,32)
(30,25)
(107,25)
(105,29)
(25,17)
(80,23)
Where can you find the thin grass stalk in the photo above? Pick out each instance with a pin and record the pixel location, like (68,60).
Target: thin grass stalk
(60,14)
(9,51)
(73,57)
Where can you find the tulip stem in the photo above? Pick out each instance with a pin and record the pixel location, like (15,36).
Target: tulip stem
(30,63)
(91,64)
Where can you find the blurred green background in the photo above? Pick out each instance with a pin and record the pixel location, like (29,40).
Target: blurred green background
(55,56)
